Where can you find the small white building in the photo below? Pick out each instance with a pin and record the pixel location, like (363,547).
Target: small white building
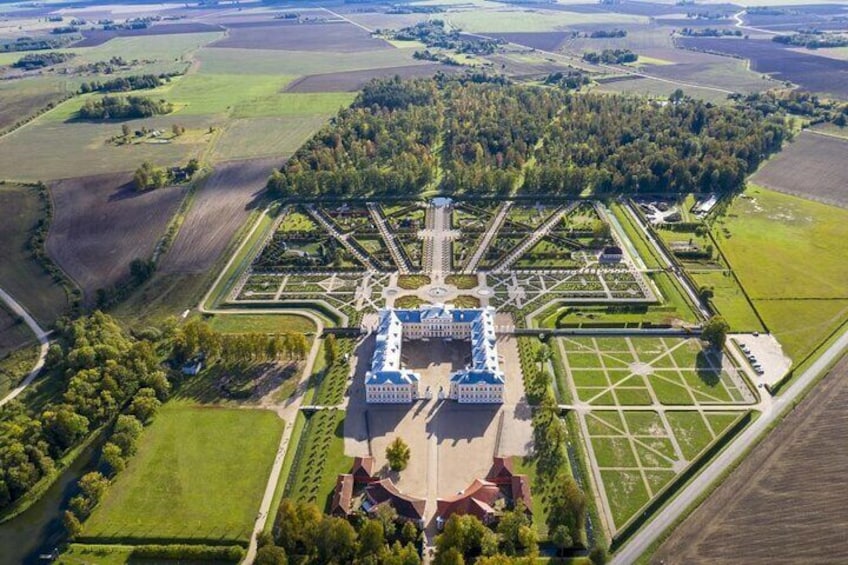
(481,382)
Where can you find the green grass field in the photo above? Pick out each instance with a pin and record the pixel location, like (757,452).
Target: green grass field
(729,300)
(20,275)
(804,264)
(782,246)
(271,136)
(199,474)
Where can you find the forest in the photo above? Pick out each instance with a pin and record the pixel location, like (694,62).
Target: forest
(457,135)
(102,370)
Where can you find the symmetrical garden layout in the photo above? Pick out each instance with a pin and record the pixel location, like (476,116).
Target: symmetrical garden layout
(651,406)
(356,258)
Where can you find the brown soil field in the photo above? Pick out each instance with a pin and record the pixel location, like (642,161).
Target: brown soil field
(325,37)
(353,81)
(786,502)
(813,166)
(808,71)
(220,208)
(101,224)
(95,37)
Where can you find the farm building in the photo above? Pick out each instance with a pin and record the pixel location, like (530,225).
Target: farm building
(480,382)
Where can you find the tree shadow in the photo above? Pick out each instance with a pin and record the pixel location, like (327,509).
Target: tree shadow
(708,366)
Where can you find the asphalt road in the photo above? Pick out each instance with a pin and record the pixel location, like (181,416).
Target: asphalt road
(678,507)
(42,339)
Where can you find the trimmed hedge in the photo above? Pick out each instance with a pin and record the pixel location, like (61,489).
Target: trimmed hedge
(225,553)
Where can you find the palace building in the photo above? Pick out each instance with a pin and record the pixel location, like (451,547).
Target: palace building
(481,381)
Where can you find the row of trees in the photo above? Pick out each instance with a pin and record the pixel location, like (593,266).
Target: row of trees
(196,337)
(102,371)
(477,136)
(124,84)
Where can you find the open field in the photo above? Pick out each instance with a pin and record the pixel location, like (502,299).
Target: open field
(729,300)
(270,136)
(354,80)
(102,224)
(812,166)
(220,207)
(198,475)
(13,332)
(772,492)
(799,286)
(97,37)
(803,239)
(19,99)
(20,274)
(66,149)
(516,20)
(297,63)
(810,72)
(325,37)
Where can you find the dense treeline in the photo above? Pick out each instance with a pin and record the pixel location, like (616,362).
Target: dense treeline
(623,144)
(812,40)
(462,135)
(124,84)
(433,33)
(382,144)
(611,56)
(40,60)
(490,132)
(102,371)
(123,107)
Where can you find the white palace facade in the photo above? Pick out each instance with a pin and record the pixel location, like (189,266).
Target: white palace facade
(481,382)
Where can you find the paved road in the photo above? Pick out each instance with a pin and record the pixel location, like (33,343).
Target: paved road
(42,339)
(678,507)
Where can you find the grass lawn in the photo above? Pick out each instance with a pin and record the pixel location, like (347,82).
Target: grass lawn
(691,432)
(272,136)
(85,554)
(782,246)
(804,260)
(462,282)
(320,458)
(801,325)
(729,300)
(20,275)
(199,474)
(261,323)
(626,493)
